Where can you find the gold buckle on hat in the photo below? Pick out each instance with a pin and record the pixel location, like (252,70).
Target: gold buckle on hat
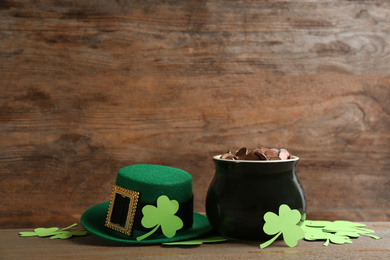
(124,198)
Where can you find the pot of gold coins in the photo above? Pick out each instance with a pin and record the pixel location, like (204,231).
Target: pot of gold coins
(246,185)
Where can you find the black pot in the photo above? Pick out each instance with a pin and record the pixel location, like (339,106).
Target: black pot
(241,192)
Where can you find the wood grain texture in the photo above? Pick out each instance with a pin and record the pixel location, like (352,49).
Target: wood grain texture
(88,87)
(92,247)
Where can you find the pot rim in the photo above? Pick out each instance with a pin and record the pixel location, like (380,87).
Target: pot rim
(292,159)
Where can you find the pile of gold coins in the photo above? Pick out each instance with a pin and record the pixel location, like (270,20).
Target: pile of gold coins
(262,153)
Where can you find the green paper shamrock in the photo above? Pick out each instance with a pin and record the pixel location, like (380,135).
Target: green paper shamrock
(68,234)
(161,216)
(55,232)
(315,233)
(40,232)
(349,228)
(199,241)
(62,235)
(337,232)
(286,223)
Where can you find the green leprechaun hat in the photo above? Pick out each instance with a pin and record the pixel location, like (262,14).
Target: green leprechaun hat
(150,204)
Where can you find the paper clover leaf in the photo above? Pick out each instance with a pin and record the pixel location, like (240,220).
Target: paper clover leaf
(337,232)
(286,223)
(199,241)
(315,233)
(161,216)
(54,232)
(68,234)
(40,232)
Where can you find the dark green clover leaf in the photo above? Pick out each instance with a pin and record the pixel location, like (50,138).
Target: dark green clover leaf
(161,216)
(286,223)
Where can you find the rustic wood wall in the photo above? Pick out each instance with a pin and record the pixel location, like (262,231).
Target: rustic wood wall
(88,87)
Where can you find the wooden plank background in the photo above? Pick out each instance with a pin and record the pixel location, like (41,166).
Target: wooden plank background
(88,87)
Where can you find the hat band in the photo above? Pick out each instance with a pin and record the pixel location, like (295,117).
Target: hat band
(185,213)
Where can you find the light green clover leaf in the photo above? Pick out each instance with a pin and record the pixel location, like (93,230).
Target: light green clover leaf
(68,234)
(41,232)
(62,235)
(199,241)
(44,232)
(317,233)
(161,216)
(286,223)
(337,232)
(54,232)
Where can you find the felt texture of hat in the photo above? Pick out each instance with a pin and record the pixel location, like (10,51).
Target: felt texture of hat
(154,180)
(151,181)
(94,218)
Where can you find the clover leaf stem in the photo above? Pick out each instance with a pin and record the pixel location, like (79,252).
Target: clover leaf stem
(373,236)
(148,234)
(265,244)
(75,224)
(327,242)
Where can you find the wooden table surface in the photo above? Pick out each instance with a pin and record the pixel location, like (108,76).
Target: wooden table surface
(90,247)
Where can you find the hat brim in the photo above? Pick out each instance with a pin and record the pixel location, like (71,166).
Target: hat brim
(93,220)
